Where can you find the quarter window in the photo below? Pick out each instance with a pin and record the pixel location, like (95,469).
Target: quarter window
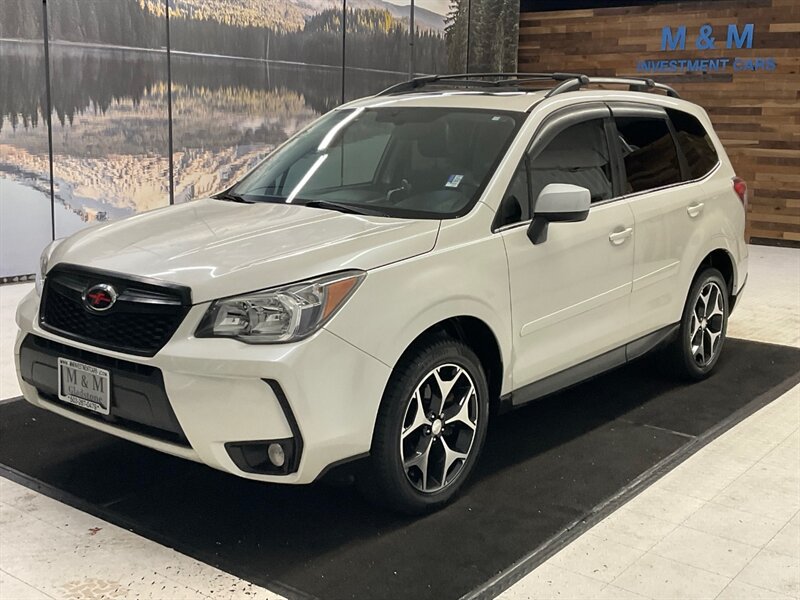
(695,143)
(578,155)
(649,153)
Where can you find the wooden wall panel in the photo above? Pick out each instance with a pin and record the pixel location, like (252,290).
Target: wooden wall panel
(755,113)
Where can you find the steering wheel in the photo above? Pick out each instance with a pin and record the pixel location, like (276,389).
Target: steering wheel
(404,189)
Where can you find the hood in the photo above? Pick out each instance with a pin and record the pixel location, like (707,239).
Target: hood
(220,248)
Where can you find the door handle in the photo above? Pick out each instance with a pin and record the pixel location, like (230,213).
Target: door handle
(695,209)
(618,237)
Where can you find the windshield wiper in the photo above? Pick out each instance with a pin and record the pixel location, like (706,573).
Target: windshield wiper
(232,198)
(345,208)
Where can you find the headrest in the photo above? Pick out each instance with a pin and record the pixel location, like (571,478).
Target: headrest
(579,146)
(576,158)
(433,143)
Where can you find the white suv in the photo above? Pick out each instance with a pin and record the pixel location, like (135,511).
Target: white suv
(394,273)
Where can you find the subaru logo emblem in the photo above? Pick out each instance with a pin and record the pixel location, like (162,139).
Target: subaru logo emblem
(100,297)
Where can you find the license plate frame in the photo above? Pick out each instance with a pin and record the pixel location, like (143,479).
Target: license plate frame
(84,385)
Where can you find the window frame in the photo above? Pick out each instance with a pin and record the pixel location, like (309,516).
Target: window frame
(551,126)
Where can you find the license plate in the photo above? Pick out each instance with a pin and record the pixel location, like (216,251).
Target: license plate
(84,385)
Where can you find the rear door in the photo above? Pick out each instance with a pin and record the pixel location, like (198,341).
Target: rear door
(667,212)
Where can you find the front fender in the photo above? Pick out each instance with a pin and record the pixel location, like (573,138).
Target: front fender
(396,303)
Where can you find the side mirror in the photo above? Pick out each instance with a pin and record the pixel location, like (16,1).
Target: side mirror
(558,203)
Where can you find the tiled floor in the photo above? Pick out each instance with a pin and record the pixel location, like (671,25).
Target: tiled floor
(770,309)
(724,524)
(50,550)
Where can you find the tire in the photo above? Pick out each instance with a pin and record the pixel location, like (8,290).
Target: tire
(703,328)
(415,465)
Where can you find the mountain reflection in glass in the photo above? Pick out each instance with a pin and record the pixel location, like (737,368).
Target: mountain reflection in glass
(246,75)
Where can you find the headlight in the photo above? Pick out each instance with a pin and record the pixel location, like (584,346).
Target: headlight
(44,263)
(283,314)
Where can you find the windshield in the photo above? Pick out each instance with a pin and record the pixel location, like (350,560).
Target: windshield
(400,162)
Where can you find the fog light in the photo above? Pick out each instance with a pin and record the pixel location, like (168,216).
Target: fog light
(276,455)
(267,457)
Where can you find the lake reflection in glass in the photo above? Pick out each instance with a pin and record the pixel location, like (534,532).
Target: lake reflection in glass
(25,223)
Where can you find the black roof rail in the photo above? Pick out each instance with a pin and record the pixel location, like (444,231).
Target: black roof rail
(635,84)
(568,82)
(476,80)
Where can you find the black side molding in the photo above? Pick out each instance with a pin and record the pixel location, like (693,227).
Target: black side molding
(345,470)
(588,369)
(643,345)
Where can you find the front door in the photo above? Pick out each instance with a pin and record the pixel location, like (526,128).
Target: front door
(570,294)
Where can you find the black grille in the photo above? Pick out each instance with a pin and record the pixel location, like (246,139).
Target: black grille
(143,318)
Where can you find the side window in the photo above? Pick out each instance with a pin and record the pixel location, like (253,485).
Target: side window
(694,142)
(578,155)
(649,152)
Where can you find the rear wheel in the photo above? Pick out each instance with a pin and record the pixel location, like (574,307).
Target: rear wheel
(430,428)
(703,328)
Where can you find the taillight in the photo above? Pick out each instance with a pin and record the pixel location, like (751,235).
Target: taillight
(740,187)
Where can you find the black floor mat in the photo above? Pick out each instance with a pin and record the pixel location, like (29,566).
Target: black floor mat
(544,467)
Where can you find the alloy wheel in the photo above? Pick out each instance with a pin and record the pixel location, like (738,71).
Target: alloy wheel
(439,428)
(706,325)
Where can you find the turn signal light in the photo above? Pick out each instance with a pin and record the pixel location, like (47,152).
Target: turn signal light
(740,187)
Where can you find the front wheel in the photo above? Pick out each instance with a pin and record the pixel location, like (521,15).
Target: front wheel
(703,327)
(430,428)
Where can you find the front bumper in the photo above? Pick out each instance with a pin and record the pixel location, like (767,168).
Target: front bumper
(223,392)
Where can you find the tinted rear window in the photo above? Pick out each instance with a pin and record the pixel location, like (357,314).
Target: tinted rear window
(649,152)
(694,142)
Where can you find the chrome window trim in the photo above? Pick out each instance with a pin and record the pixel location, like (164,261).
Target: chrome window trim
(673,185)
(512,226)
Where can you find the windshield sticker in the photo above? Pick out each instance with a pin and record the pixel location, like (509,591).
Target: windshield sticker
(453,181)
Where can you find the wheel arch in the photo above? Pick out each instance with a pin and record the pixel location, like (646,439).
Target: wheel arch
(481,339)
(722,260)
